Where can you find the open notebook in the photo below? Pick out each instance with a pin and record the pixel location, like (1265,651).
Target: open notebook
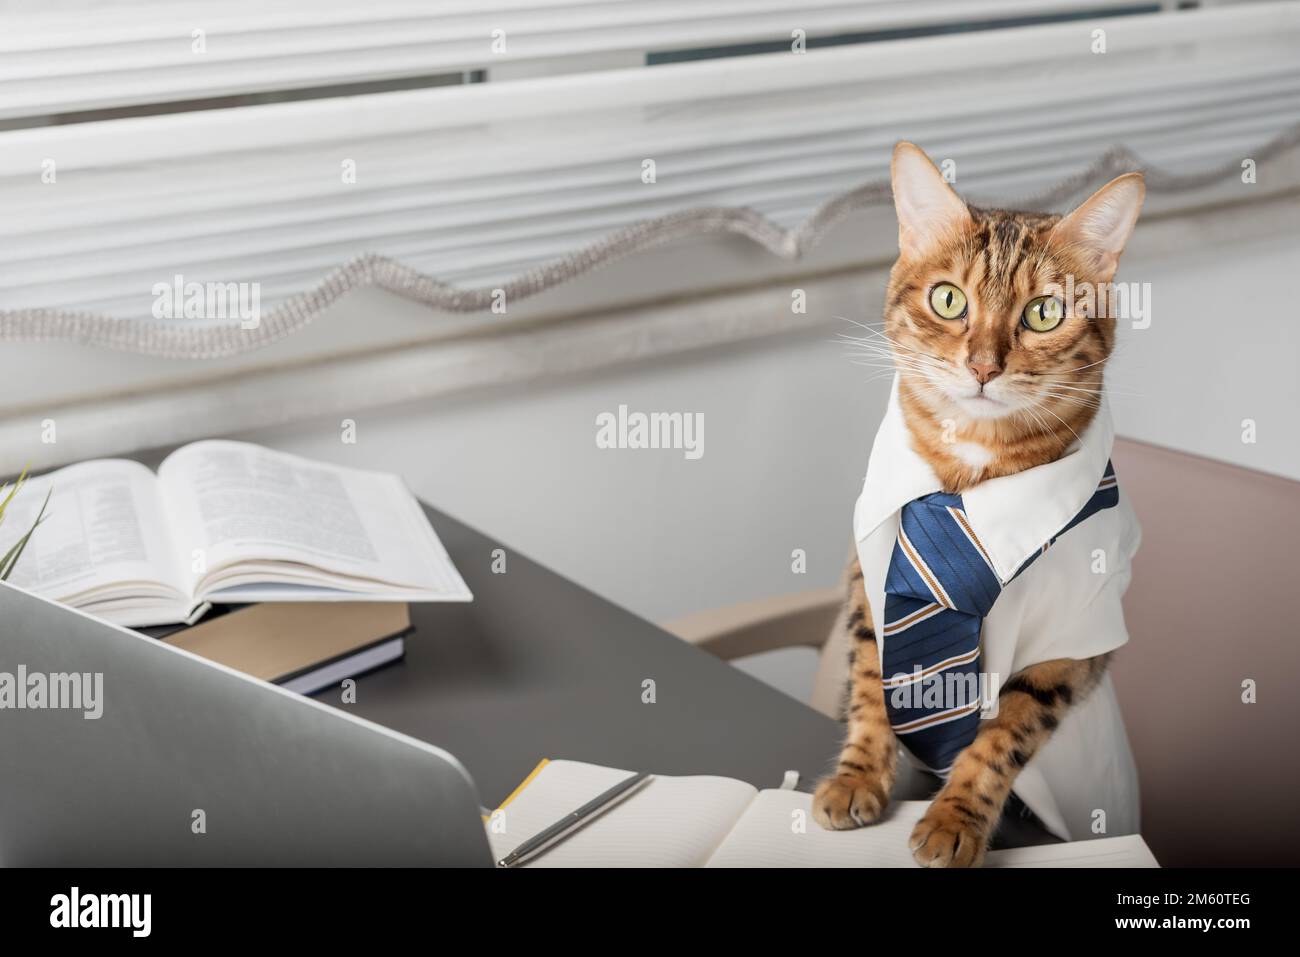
(720,822)
(225,522)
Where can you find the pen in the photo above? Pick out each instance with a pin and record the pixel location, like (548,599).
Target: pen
(572,821)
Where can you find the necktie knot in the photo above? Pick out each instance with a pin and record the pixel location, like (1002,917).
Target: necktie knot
(939,559)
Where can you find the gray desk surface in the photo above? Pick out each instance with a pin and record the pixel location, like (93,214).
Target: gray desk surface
(538,667)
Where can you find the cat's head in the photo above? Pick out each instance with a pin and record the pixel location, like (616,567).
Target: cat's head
(976,313)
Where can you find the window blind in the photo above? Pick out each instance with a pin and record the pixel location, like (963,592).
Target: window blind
(61,57)
(473,184)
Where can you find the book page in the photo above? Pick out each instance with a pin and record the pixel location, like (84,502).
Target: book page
(778,830)
(1127,851)
(669,822)
(104,535)
(256,518)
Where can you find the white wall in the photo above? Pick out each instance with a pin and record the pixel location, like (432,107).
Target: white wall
(1223,346)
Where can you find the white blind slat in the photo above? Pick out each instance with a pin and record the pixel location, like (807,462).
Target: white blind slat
(471,182)
(86,59)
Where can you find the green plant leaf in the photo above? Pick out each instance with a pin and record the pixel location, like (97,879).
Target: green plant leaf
(12,492)
(11,557)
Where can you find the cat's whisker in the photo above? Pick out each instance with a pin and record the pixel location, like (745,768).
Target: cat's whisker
(863,325)
(1090,399)
(1066,390)
(1071,387)
(881,337)
(1076,403)
(890,360)
(1056,392)
(917,359)
(1088,366)
(888,356)
(1099,390)
(1044,408)
(1038,420)
(883,346)
(902,362)
(897,349)
(1045,427)
(907,361)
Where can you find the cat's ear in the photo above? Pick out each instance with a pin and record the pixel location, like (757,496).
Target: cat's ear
(1102,224)
(926,205)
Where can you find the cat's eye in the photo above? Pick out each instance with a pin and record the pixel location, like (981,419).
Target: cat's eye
(1043,314)
(947,301)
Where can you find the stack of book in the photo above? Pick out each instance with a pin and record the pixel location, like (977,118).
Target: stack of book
(225,523)
(302,646)
(295,571)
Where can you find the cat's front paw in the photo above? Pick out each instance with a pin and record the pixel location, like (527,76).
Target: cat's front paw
(946,837)
(847,801)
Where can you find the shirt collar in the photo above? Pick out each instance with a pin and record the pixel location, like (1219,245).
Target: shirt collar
(1014,515)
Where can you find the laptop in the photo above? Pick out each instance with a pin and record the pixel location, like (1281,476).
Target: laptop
(117,749)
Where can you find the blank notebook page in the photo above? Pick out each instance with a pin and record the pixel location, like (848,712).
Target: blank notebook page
(778,830)
(669,822)
(1127,851)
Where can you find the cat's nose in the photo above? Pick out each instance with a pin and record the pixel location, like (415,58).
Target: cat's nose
(984,372)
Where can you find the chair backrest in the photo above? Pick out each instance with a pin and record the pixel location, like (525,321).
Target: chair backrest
(1209,610)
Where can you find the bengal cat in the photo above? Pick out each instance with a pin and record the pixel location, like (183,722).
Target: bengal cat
(956,315)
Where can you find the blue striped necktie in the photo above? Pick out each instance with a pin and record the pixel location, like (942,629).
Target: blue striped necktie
(940,586)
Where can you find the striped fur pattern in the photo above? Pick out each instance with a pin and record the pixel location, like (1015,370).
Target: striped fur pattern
(983,396)
(1049,383)
(858,792)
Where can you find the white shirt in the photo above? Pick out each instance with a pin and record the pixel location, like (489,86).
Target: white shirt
(1065,605)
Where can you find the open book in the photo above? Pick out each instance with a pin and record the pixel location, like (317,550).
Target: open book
(721,822)
(225,522)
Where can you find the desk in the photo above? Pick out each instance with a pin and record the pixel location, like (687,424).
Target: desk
(538,667)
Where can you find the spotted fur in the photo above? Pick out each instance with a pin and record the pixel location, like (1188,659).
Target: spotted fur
(968,431)
(858,792)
